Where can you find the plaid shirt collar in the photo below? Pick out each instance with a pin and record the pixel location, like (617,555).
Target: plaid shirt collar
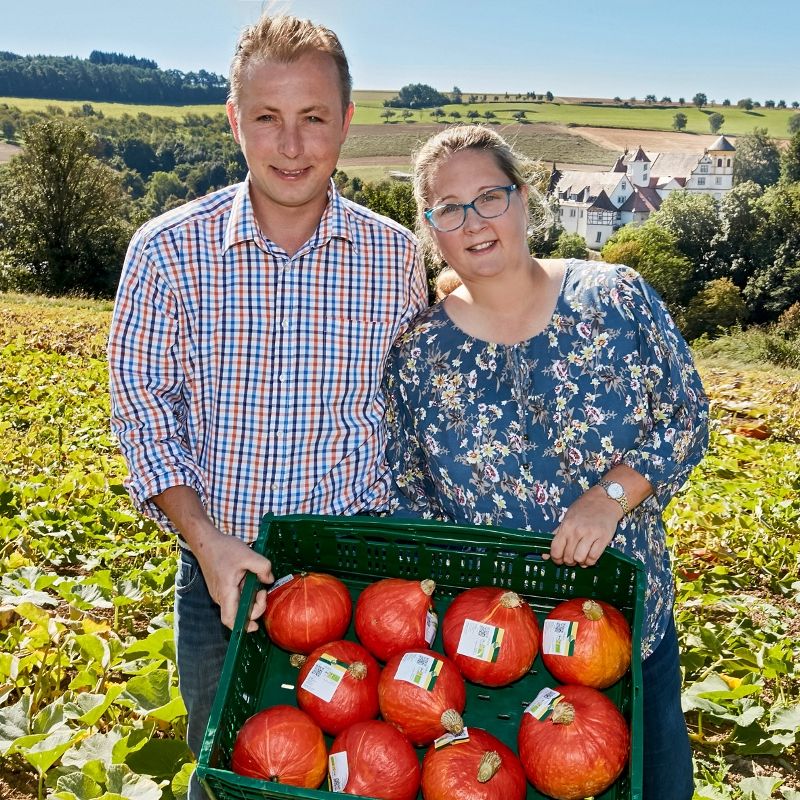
(242,225)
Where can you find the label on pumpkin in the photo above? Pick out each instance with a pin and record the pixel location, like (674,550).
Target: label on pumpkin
(431,626)
(419,669)
(324,677)
(451,738)
(338,771)
(558,637)
(280,582)
(479,640)
(543,705)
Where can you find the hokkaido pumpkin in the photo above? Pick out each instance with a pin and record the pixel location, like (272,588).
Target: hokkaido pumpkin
(378,760)
(423,694)
(587,642)
(338,685)
(482,768)
(573,745)
(306,610)
(394,614)
(492,635)
(281,744)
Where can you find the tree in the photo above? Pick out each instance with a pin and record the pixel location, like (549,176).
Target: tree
(790,160)
(406,113)
(549,96)
(387,114)
(746,103)
(417,95)
(715,121)
(570,245)
(519,116)
(650,98)
(757,159)
(700,100)
(726,102)
(793,125)
(437,114)
(715,308)
(679,121)
(472,114)
(769,104)
(456,95)
(682,100)
(455,115)
(652,251)
(489,115)
(693,220)
(781,104)
(63,212)
(795,104)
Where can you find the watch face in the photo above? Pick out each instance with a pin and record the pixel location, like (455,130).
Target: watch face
(615,491)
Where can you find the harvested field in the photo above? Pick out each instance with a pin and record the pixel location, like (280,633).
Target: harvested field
(618,139)
(8,151)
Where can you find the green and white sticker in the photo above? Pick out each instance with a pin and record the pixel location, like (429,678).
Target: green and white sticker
(558,637)
(543,705)
(338,771)
(480,640)
(324,677)
(451,738)
(420,669)
(431,626)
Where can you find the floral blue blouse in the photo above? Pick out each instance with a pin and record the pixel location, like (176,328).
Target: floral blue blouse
(511,435)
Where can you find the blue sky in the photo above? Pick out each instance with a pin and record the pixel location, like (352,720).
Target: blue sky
(726,48)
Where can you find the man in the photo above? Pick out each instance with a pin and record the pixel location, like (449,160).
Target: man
(248,342)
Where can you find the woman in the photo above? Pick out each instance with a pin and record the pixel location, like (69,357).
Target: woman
(547,395)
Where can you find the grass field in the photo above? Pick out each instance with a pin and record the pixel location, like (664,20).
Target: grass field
(369,106)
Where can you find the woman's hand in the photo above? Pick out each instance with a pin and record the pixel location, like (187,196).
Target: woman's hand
(586,530)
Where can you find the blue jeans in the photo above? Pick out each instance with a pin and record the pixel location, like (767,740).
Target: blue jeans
(667,764)
(201,641)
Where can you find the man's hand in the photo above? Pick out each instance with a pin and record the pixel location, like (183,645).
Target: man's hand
(224,560)
(586,530)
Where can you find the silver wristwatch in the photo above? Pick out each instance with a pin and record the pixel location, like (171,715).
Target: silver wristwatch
(616,492)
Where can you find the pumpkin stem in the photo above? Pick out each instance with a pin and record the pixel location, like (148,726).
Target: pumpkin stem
(427,586)
(487,767)
(358,670)
(592,610)
(563,713)
(451,721)
(297,660)
(510,600)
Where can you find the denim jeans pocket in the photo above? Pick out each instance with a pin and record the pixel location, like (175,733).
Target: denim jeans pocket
(187,574)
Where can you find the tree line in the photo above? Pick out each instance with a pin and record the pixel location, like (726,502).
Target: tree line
(106,77)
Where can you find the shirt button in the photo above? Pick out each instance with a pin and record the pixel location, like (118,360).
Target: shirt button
(526,437)
(274,487)
(282,378)
(284,323)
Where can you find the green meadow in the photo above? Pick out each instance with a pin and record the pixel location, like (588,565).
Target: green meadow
(369,107)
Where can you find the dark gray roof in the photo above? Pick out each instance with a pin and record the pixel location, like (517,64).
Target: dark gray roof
(722,144)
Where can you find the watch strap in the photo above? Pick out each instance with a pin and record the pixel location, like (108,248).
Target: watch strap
(622,499)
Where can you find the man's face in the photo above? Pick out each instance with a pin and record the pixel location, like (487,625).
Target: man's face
(290,125)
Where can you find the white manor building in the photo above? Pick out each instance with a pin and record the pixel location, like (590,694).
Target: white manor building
(595,204)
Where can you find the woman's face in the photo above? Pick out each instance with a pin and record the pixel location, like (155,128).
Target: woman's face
(480,248)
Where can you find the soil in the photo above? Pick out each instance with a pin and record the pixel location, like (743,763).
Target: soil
(654,141)
(17,783)
(7,152)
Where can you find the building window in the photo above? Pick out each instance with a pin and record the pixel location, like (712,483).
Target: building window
(729,163)
(620,200)
(599,236)
(719,162)
(701,181)
(623,187)
(572,212)
(704,168)
(581,214)
(718,181)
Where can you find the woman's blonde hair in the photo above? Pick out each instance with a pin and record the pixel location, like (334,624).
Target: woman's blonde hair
(285,39)
(517,168)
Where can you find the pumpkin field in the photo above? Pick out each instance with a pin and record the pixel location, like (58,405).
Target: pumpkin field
(89,705)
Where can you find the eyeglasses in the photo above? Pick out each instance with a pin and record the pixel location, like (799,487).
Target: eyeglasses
(451,216)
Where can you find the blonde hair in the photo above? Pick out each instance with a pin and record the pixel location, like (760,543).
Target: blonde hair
(519,170)
(446,281)
(285,39)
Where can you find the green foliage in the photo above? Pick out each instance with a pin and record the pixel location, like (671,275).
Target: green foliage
(418,95)
(757,159)
(713,309)
(570,245)
(62,212)
(679,121)
(700,100)
(715,121)
(790,159)
(793,125)
(652,251)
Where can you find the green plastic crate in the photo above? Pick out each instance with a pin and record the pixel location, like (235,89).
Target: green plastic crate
(360,550)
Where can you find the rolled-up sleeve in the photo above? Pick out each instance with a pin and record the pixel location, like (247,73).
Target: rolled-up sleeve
(147,383)
(677,434)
